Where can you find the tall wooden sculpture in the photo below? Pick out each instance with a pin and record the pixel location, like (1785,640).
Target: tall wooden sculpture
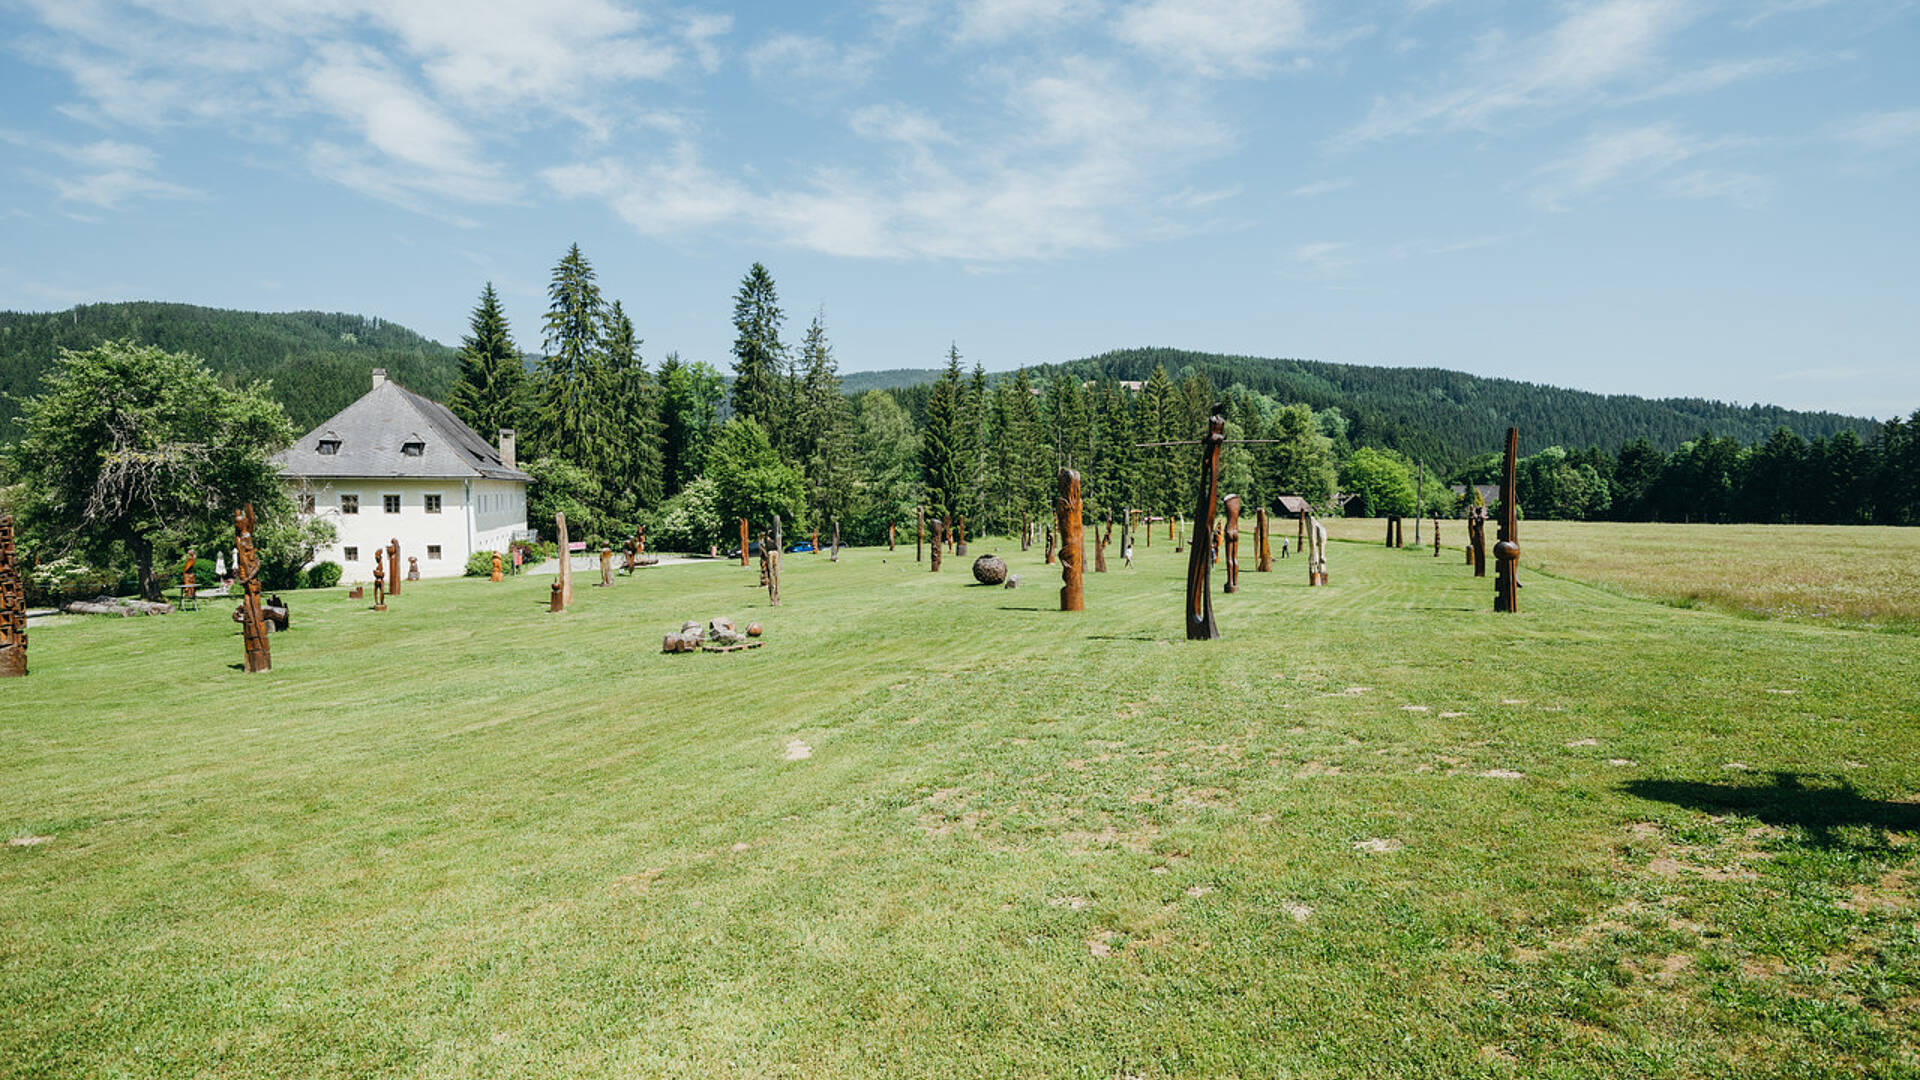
(1049,532)
(960,536)
(773,562)
(889,536)
(1317,554)
(496,576)
(1100,542)
(253,621)
(393,567)
(188,590)
(934,527)
(1230,533)
(919,530)
(744,545)
(13,605)
(606,565)
(1506,553)
(1262,549)
(1200,624)
(1073,547)
(380,580)
(836,539)
(566,561)
(1477,540)
(1436,536)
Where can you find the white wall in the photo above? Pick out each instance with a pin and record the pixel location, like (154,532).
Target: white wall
(474,515)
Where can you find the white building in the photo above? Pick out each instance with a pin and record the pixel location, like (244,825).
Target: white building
(397,466)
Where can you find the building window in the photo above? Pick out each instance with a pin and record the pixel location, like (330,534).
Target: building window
(433,504)
(433,551)
(306,503)
(351,554)
(329,447)
(390,503)
(413,449)
(349,504)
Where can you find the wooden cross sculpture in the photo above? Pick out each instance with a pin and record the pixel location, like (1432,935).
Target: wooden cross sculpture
(1200,624)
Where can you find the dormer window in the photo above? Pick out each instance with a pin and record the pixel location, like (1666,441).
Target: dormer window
(329,447)
(413,447)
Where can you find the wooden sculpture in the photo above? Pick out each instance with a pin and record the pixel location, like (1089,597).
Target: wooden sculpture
(253,622)
(606,565)
(393,567)
(960,536)
(1230,532)
(889,536)
(1073,549)
(919,530)
(1262,547)
(1200,624)
(1100,542)
(1049,532)
(496,567)
(1436,536)
(1317,553)
(188,590)
(1216,543)
(1477,540)
(934,528)
(1506,553)
(773,562)
(744,545)
(379,579)
(556,599)
(13,605)
(413,568)
(836,539)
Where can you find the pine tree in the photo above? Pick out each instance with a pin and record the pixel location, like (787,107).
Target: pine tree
(490,392)
(758,357)
(630,406)
(823,435)
(1159,423)
(941,458)
(690,396)
(973,421)
(571,373)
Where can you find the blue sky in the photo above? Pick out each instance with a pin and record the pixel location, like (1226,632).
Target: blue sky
(1661,197)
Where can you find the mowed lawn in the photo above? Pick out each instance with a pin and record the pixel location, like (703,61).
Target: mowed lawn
(933,829)
(1851,576)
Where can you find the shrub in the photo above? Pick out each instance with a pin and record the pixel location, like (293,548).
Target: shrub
(323,575)
(480,564)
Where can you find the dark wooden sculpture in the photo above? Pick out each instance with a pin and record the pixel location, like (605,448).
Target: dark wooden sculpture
(1216,543)
(1262,548)
(934,526)
(960,535)
(946,530)
(1073,548)
(1230,534)
(380,579)
(1436,536)
(1506,553)
(253,622)
(1049,532)
(1200,624)
(1100,542)
(1477,526)
(13,605)
(413,568)
(773,562)
(393,567)
(555,601)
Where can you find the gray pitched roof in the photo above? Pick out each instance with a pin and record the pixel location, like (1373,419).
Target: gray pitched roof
(372,430)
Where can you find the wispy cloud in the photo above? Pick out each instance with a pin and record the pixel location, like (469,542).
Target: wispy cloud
(1321,187)
(1645,154)
(990,22)
(1883,130)
(1215,37)
(105,174)
(811,61)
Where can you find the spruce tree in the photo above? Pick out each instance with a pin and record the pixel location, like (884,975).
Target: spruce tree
(689,413)
(823,435)
(490,392)
(941,456)
(630,418)
(571,373)
(759,389)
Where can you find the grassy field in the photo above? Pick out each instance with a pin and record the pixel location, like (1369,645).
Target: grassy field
(941,830)
(1843,576)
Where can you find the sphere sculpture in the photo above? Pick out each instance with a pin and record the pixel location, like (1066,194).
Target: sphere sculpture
(753,629)
(989,570)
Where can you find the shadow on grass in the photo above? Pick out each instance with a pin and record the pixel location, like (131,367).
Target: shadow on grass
(1003,607)
(1788,802)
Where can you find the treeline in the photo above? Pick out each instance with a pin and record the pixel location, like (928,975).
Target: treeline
(1783,479)
(316,361)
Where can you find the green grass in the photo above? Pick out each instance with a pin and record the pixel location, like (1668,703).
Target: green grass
(467,837)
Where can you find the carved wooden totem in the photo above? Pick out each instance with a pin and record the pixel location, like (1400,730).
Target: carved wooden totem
(1506,553)
(836,539)
(960,536)
(188,590)
(1100,542)
(413,568)
(606,565)
(773,562)
(1262,547)
(1200,624)
(1073,547)
(1230,533)
(393,567)
(1317,554)
(1477,541)
(937,546)
(1436,536)
(744,545)
(253,622)
(379,579)
(1049,532)
(496,567)
(889,536)
(13,605)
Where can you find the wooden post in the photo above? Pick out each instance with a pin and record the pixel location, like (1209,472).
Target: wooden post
(744,545)
(1200,624)
(1026,531)
(1049,531)
(253,621)
(379,579)
(566,561)
(946,530)
(1262,550)
(919,530)
(1506,553)
(1230,532)
(816,539)
(1100,542)
(836,539)
(889,536)
(1317,555)
(1479,522)
(1436,536)
(1300,542)
(1179,539)
(1073,548)
(960,536)
(1216,543)
(13,604)
(935,527)
(773,561)
(393,567)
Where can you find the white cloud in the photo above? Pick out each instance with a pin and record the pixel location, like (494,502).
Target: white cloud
(111,172)
(1215,37)
(1883,130)
(1320,187)
(994,21)
(1594,47)
(1647,154)
(811,61)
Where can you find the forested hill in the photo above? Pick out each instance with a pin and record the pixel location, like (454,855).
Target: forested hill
(1442,415)
(318,362)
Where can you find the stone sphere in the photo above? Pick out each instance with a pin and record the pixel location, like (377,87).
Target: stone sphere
(753,629)
(989,570)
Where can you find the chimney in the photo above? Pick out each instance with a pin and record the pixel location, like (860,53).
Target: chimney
(379,377)
(506,447)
